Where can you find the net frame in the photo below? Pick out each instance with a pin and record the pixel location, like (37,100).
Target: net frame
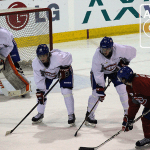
(17,11)
(14,11)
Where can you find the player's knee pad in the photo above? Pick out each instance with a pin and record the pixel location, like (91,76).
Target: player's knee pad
(66,92)
(94,94)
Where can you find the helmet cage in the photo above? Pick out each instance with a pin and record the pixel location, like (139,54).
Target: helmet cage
(106,44)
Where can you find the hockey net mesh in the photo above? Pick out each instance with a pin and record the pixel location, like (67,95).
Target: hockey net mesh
(29,28)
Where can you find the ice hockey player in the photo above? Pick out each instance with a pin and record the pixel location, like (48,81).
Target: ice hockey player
(49,65)
(9,58)
(138,89)
(109,56)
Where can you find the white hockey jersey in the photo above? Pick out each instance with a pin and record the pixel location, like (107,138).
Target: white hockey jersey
(101,65)
(58,58)
(6,44)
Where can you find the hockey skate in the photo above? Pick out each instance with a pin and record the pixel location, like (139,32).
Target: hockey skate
(38,118)
(143,142)
(90,121)
(71,120)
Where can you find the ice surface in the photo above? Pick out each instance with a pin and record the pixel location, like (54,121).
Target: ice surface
(54,133)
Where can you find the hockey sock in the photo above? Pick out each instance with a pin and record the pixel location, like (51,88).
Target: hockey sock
(121,90)
(91,102)
(69,100)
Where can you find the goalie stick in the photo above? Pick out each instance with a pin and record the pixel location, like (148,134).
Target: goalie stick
(95,148)
(9,132)
(109,81)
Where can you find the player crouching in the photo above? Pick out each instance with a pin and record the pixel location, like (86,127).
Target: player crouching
(9,66)
(138,89)
(48,66)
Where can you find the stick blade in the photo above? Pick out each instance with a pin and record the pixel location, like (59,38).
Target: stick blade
(7,133)
(75,134)
(86,148)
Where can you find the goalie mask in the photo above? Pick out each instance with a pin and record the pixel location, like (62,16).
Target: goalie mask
(43,53)
(106,47)
(126,74)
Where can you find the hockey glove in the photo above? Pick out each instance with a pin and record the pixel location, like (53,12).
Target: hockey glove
(40,96)
(127,125)
(64,72)
(100,91)
(123,62)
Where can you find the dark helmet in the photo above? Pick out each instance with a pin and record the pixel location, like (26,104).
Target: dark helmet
(126,73)
(42,49)
(106,42)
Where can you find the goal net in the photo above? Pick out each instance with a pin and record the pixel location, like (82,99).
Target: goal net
(30,27)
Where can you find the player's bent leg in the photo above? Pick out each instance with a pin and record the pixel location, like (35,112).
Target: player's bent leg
(69,102)
(91,121)
(121,90)
(146,131)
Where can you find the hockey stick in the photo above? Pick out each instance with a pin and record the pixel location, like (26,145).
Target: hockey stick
(9,132)
(95,148)
(109,81)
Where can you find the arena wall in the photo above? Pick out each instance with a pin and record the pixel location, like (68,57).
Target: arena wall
(83,19)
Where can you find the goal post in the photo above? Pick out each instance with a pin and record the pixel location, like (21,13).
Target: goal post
(30,27)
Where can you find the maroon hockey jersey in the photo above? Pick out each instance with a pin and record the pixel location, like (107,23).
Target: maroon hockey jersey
(138,94)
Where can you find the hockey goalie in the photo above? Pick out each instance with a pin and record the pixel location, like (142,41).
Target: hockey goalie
(10,67)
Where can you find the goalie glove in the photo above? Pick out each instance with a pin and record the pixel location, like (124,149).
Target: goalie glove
(40,96)
(64,72)
(127,125)
(100,92)
(123,62)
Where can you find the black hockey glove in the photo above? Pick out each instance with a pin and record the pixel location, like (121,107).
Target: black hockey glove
(40,96)
(100,91)
(64,72)
(123,62)
(127,125)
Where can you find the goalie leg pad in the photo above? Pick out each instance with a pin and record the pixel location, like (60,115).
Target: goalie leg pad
(18,81)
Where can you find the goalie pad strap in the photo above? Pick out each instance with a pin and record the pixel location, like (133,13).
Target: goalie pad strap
(2,57)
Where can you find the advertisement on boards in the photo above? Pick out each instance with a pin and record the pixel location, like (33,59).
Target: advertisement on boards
(104,13)
(59,11)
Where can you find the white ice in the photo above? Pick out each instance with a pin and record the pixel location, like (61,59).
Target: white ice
(54,133)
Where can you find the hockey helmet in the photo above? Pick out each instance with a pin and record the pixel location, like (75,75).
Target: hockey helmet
(106,44)
(42,49)
(125,73)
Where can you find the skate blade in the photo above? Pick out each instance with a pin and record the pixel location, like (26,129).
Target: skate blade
(90,124)
(37,122)
(72,124)
(144,146)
